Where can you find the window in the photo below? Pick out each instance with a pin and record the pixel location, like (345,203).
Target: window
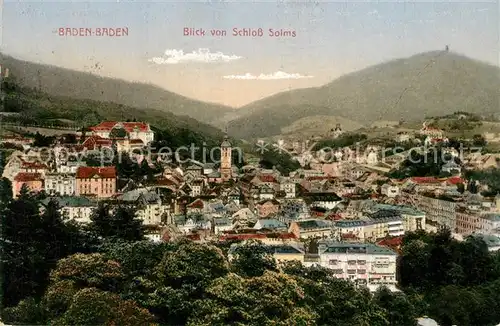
(361,262)
(351,271)
(351,262)
(338,271)
(361,271)
(333,262)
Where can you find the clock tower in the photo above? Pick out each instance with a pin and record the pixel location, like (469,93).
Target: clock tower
(226,160)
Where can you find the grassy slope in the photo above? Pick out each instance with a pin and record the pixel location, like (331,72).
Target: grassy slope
(80,85)
(428,84)
(43,107)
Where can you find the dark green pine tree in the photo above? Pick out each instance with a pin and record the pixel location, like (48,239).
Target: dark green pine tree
(120,224)
(22,258)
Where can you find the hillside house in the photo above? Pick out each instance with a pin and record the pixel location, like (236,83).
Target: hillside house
(97,182)
(135,130)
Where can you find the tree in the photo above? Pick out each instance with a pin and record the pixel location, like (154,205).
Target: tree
(472,187)
(252,259)
(478,140)
(92,306)
(118,133)
(461,187)
(270,299)
(43,141)
(23,260)
(400,310)
(182,277)
(121,224)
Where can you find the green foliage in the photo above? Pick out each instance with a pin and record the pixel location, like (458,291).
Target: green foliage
(43,141)
(457,280)
(341,142)
(422,165)
(40,108)
(281,161)
(269,299)
(118,133)
(407,87)
(252,259)
(95,307)
(490,177)
(129,282)
(119,224)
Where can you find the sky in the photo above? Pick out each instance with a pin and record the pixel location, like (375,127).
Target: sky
(331,39)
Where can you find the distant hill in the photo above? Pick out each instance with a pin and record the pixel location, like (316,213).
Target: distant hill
(35,107)
(79,85)
(427,84)
(318,125)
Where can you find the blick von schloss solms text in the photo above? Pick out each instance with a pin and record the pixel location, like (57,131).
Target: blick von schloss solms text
(243,32)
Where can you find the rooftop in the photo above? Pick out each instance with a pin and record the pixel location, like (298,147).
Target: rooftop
(362,248)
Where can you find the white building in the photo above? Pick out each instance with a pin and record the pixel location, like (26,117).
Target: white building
(79,209)
(289,189)
(365,264)
(135,130)
(70,166)
(489,222)
(389,190)
(61,184)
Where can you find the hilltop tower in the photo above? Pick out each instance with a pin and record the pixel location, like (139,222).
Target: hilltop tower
(226,159)
(337,131)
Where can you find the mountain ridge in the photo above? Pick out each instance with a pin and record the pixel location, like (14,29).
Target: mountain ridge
(429,83)
(59,81)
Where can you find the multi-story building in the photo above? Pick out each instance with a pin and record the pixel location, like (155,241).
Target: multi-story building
(413,219)
(289,188)
(370,229)
(62,184)
(79,209)
(311,228)
(365,264)
(135,130)
(489,222)
(441,211)
(97,182)
(467,221)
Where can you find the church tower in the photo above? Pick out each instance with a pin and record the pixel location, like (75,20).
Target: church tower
(226,160)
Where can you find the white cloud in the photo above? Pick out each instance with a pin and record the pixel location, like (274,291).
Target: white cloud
(172,57)
(374,12)
(273,76)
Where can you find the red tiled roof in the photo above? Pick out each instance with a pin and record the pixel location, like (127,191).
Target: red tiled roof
(333,216)
(198,203)
(93,141)
(391,242)
(424,180)
(128,126)
(27,176)
(86,172)
(267,178)
(455,180)
(242,236)
(33,165)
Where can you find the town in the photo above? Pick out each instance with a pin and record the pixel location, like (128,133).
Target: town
(342,171)
(352,213)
